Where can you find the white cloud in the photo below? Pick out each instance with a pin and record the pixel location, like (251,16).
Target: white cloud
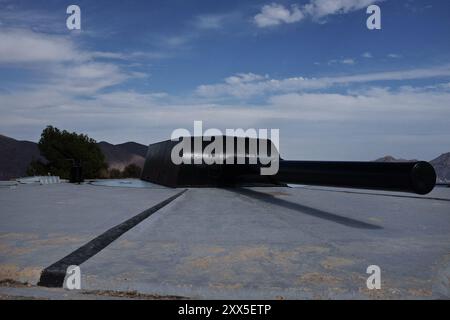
(176,41)
(18,46)
(263,85)
(86,78)
(275,14)
(367,106)
(131,107)
(244,77)
(348,61)
(321,8)
(63,67)
(211,21)
(394,56)
(367,55)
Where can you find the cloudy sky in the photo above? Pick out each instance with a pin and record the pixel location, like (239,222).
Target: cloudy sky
(139,69)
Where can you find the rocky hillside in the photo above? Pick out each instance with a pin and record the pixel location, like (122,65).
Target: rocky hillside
(442,166)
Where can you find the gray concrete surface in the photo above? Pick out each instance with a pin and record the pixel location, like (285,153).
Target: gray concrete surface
(266,243)
(40,224)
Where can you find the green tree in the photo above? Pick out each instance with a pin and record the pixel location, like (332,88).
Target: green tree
(36,168)
(115,173)
(63,148)
(131,171)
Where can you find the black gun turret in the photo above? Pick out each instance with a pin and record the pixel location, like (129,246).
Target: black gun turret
(241,164)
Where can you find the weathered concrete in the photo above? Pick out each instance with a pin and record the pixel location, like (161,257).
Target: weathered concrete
(280,242)
(40,224)
(305,242)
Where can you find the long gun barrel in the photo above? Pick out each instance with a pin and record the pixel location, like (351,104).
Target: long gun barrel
(416,177)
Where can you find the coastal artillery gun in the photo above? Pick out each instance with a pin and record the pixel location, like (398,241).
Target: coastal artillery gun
(236,165)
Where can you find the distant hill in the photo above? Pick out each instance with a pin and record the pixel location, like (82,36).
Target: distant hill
(392,159)
(441,165)
(121,155)
(15,156)
(134,147)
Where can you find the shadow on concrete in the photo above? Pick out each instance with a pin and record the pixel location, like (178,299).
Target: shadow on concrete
(377,194)
(268,198)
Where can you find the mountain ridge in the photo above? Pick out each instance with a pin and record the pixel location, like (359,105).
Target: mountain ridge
(121,155)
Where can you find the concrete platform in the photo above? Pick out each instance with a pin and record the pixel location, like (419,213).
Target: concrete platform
(295,243)
(40,224)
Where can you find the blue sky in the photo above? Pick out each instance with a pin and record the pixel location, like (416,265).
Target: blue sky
(139,69)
